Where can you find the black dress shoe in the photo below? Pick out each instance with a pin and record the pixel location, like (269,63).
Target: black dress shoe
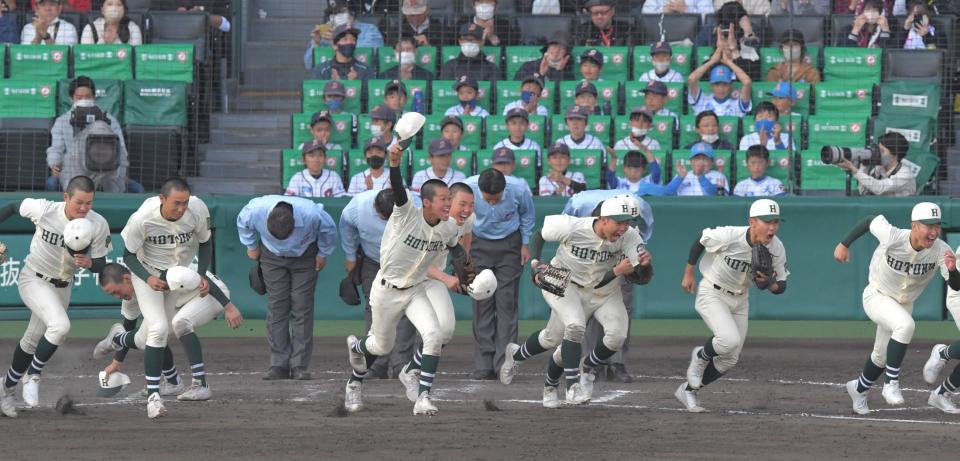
(276,373)
(483,375)
(620,373)
(301,374)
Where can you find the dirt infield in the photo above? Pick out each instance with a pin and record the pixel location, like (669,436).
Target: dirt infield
(784,400)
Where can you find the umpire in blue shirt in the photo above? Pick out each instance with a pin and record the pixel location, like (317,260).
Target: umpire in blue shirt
(295,237)
(361,229)
(504,221)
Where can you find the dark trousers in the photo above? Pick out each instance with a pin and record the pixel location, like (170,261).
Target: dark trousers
(495,318)
(594,332)
(405,343)
(290,283)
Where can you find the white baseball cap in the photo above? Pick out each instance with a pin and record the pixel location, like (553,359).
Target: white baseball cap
(632,200)
(182,278)
(77,234)
(927,213)
(483,286)
(765,210)
(619,209)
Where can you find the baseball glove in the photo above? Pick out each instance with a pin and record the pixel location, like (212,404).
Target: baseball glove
(762,263)
(3,252)
(551,279)
(464,269)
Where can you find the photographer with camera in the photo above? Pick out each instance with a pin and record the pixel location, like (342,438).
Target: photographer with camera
(88,142)
(879,169)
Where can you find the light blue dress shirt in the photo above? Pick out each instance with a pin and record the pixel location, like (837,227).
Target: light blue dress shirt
(361,225)
(513,212)
(311,224)
(582,205)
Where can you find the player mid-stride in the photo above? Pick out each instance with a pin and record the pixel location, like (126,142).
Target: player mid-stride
(582,281)
(902,265)
(69,236)
(736,257)
(939,356)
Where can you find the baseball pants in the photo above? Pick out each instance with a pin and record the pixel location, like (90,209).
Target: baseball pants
(569,314)
(595,330)
(894,320)
(290,283)
(495,318)
(157,308)
(953,306)
(389,305)
(442,303)
(726,316)
(406,335)
(48,311)
(197,311)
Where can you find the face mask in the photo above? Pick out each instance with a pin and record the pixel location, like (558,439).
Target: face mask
(113,13)
(710,138)
(341,19)
(871,16)
(376,131)
(468,102)
(765,125)
(84,103)
(347,49)
(407,58)
(484,11)
(470,49)
(791,53)
(661,66)
(526,96)
(376,162)
(334,105)
(638,132)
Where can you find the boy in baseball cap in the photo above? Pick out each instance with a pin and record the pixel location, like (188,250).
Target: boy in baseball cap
(530,91)
(591,64)
(377,175)
(655,97)
(701,179)
(636,180)
(440,151)
(784,98)
(334,93)
(759,184)
(558,181)
(661,55)
(517,124)
(321,127)
(395,96)
(578,138)
(315,180)
(585,96)
(468,90)
(451,127)
(722,69)
(641,120)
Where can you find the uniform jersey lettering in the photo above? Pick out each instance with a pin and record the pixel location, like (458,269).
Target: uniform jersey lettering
(422,245)
(736,264)
(910,268)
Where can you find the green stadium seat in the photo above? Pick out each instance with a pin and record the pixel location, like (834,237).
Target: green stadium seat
(155,103)
(39,61)
(634,97)
(661,130)
(818,176)
(293,163)
(377,88)
(452,51)
(924,165)
(852,64)
(362,54)
(155,117)
(426,58)
(313,96)
(729,130)
(517,56)
(363,132)
(526,164)
(509,91)
(589,162)
(35,98)
(919,130)
(497,130)
(444,97)
(779,166)
(680,62)
(910,98)
(760,92)
(109,62)
(109,97)
(341,133)
(472,131)
(608,93)
(825,130)
(615,62)
(772,57)
(461,161)
(597,125)
(3,61)
(848,98)
(165,62)
(660,155)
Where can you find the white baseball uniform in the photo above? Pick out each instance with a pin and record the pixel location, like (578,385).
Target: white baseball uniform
(437,292)
(188,312)
(548,187)
(49,260)
(304,184)
(953,302)
(159,245)
(722,296)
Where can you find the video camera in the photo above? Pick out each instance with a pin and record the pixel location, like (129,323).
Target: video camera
(82,116)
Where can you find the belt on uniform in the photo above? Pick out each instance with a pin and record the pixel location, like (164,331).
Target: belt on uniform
(387,284)
(724,290)
(55,282)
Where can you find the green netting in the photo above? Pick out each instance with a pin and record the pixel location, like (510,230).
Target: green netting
(852,64)
(497,129)
(661,129)
(680,60)
(826,130)
(293,163)
(461,161)
(589,162)
(39,61)
(526,164)
(340,133)
(313,95)
(109,97)
(445,97)
(772,57)
(816,175)
(377,88)
(918,129)
(155,103)
(165,62)
(615,62)
(362,54)
(910,98)
(426,58)
(844,97)
(114,62)
(729,129)
(35,98)
(597,125)
(472,131)
(517,56)
(779,166)
(608,92)
(760,92)
(634,96)
(660,155)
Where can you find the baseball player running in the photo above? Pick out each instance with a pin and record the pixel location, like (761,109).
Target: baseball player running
(939,356)
(736,256)
(167,231)
(411,242)
(69,236)
(902,265)
(594,253)
(188,312)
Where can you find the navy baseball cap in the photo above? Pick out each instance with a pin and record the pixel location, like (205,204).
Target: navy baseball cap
(374,142)
(312,146)
(334,88)
(504,155)
(661,47)
(517,112)
(322,116)
(440,146)
(559,149)
(594,55)
(576,112)
(533,78)
(642,111)
(656,87)
(466,80)
(585,87)
(395,85)
(701,148)
(451,119)
(382,112)
(342,30)
(470,29)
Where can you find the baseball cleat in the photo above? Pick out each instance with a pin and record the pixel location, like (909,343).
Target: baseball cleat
(551,399)
(860,406)
(155,408)
(353,400)
(696,368)
(424,406)
(576,396)
(357,360)
(31,390)
(196,393)
(170,390)
(942,402)
(891,393)
(8,401)
(586,386)
(411,382)
(934,365)
(509,368)
(106,345)
(689,399)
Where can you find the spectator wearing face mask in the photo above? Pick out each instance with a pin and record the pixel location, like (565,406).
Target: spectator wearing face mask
(468,91)
(554,65)
(338,15)
(661,54)
(708,128)
(343,66)
(113,27)
(530,91)
(641,119)
(767,130)
(497,30)
(919,32)
(417,24)
(795,67)
(870,29)
(471,60)
(405,53)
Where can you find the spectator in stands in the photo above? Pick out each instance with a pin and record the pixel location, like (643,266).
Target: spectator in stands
(405,53)
(217,22)
(733,31)
(784,97)
(315,180)
(802,7)
(753,7)
(47,28)
(636,180)
(889,178)
(112,27)
(530,91)
(468,90)
(641,119)
(451,127)
(870,29)
(554,65)
(377,175)
(505,161)
(382,119)
(919,31)
(888,7)
(661,55)
(440,156)
(471,61)
(416,24)
(79,6)
(796,66)
(603,29)
(559,181)
(585,96)
(334,93)
(497,30)
(395,96)
(9,29)
(65,152)
(578,138)
(701,7)
(708,127)
(518,121)
(768,131)
(591,64)
(339,14)
(702,179)
(759,184)
(719,100)
(321,126)
(656,95)
(343,66)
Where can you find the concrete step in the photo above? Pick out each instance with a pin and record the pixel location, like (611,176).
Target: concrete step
(249,153)
(276,52)
(250,120)
(288,77)
(253,99)
(241,170)
(222,186)
(295,27)
(237,136)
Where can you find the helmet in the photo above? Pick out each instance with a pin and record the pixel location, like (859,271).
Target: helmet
(112,386)
(483,286)
(77,235)
(182,278)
